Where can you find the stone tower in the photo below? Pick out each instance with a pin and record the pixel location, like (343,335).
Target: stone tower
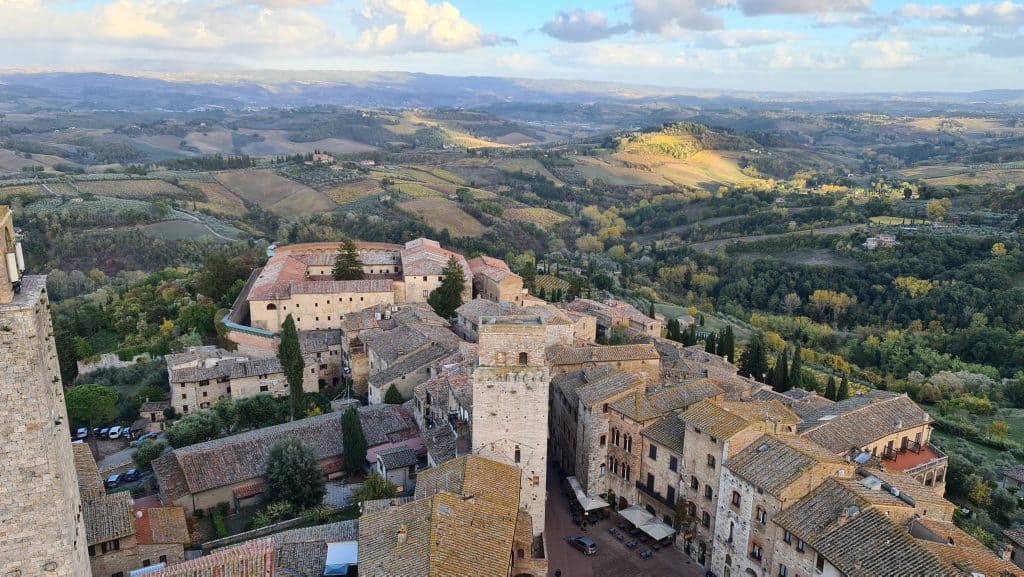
(510,404)
(42,533)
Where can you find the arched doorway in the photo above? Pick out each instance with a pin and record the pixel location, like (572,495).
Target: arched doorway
(623,503)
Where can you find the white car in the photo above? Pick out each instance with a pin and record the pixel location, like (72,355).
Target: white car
(82,433)
(115,432)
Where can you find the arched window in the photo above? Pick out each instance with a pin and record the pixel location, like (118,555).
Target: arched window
(271,307)
(523,358)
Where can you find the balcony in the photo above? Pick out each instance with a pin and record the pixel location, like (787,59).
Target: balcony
(643,488)
(926,463)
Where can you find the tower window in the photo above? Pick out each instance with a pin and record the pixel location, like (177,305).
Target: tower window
(523,358)
(517,454)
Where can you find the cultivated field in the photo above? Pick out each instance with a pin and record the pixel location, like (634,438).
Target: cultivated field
(354,191)
(442,214)
(542,217)
(128,188)
(528,166)
(275,193)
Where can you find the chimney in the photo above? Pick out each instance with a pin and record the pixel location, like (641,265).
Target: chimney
(403,533)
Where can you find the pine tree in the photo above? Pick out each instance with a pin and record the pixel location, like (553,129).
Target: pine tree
(392,396)
(348,266)
(290,355)
(448,297)
(796,369)
(830,389)
(754,360)
(710,346)
(353,440)
(844,390)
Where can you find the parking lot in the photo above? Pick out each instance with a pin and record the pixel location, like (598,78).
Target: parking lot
(612,559)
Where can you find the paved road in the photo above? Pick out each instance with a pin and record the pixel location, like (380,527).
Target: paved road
(612,558)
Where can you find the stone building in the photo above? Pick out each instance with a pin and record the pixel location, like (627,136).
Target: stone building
(715,432)
(201,376)
(42,532)
(494,281)
(152,413)
(640,360)
(617,314)
(466,518)
(661,468)
(757,484)
(510,404)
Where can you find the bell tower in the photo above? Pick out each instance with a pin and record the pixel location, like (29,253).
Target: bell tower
(510,404)
(42,533)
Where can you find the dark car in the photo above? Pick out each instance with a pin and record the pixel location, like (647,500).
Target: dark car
(585,544)
(130,475)
(112,481)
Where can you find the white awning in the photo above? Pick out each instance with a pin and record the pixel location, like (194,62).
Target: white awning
(587,502)
(340,556)
(637,515)
(657,529)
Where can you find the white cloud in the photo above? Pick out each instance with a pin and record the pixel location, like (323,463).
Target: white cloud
(993,14)
(658,16)
(581,26)
(883,54)
(745,38)
(761,7)
(396,26)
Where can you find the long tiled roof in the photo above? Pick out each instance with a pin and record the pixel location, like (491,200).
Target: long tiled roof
(970,561)
(89,481)
(482,261)
(479,307)
(562,355)
(286,272)
(318,341)
(714,420)
(605,387)
(228,368)
(773,463)
(424,257)
(444,532)
(772,411)
(408,365)
(871,545)
(642,406)
(397,458)
(668,432)
(387,423)
(821,509)
(865,423)
(250,559)
(303,552)
(161,525)
(107,517)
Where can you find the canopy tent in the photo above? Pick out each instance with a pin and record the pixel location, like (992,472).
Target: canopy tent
(657,530)
(588,503)
(341,556)
(637,515)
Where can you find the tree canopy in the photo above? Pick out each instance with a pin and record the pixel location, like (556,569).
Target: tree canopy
(91,404)
(348,265)
(293,475)
(448,297)
(353,440)
(392,396)
(376,487)
(290,355)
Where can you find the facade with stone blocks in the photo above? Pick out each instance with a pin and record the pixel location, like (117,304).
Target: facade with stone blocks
(510,404)
(42,532)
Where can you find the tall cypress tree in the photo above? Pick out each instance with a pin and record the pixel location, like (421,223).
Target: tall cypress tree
(348,265)
(830,389)
(783,382)
(650,310)
(754,360)
(710,346)
(353,440)
(727,345)
(672,330)
(796,369)
(844,390)
(290,355)
(448,297)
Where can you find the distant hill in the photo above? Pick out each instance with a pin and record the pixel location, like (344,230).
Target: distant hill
(679,140)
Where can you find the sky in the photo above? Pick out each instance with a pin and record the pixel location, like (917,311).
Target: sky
(745,45)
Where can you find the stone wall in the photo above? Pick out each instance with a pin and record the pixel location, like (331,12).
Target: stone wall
(41,529)
(110,361)
(121,560)
(314,311)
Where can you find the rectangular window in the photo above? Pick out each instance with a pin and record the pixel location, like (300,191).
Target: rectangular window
(800,545)
(787,537)
(264,388)
(783,571)
(602,440)
(670,494)
(673,464)
(163,558)
(708,493)
(694,483)
(735,499)
(705,519)
(820,563)
(756,552)
(653,452)
(711,461)
(762,516)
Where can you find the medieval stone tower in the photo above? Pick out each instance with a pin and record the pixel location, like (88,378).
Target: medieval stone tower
(42,533)
(510,404)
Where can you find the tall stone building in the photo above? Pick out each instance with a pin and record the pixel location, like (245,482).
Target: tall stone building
(510,404)
(42,533)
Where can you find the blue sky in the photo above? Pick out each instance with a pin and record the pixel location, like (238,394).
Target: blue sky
(805,45)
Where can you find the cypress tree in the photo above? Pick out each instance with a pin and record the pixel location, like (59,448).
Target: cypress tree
(353,440)
(830,389)
(754,361)
(448,297)
(710,346)
(727,345)
(290,355)
(783,382)
(796,369)
(348,265)
(690,336)
(543,294)
(844,390)
(672,328)
(392,396)
(650,310)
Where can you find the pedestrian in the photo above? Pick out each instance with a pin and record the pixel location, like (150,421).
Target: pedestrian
(558,573)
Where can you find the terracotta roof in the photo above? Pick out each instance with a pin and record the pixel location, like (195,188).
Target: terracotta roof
(969,561)
(250,559)
(195,354)
(249,490)
(303,552)
(563,355)
(668,432)
(89,481)
(487,261)
(820,511)
(713,419)
(157,525)
(443,533)
(286,272)
(318,341)
(773,463)
(945,532)
(424,257)
(644,406)
(243,457)
(107,517)
(870,545)
(1015,535)
(440,443)
(153,407)
(479,307)
(600,389)
(227,368)
(397,458)
(865,423)
(772,411)
(409,364)
(386,424)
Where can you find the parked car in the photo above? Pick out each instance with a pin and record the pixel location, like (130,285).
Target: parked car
(585,544)
(130,475)
(112,481)
(138,441)
(103,432)
(82,433)
(115,432)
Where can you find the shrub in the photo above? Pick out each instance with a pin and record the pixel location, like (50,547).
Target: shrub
(218,523)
